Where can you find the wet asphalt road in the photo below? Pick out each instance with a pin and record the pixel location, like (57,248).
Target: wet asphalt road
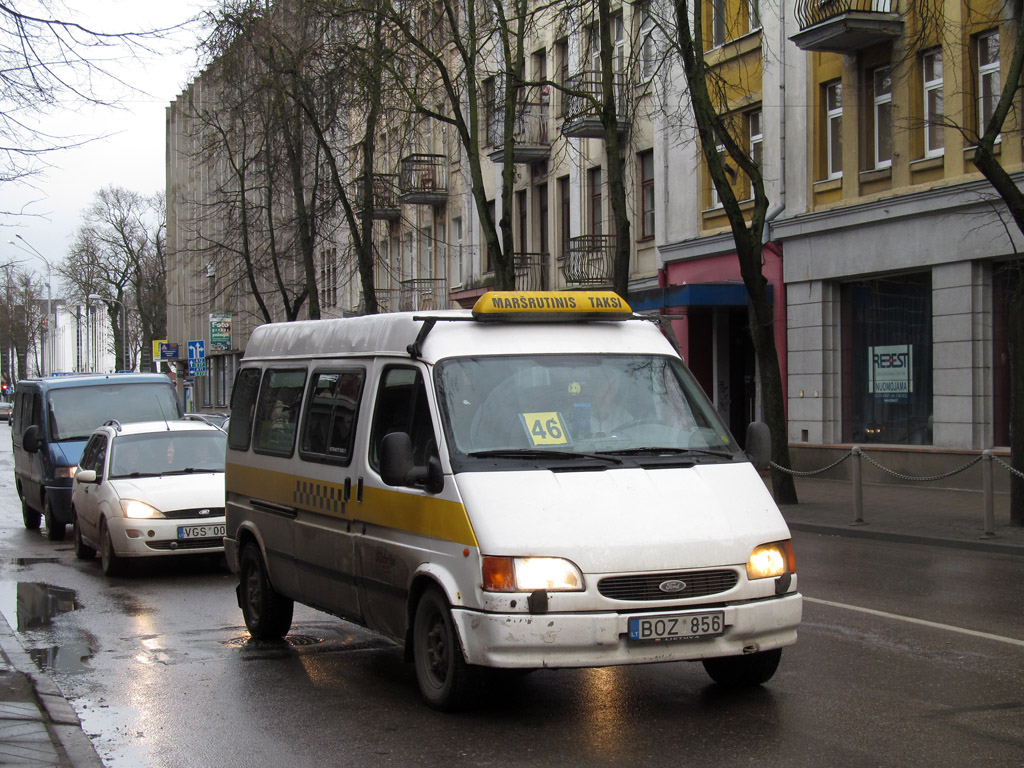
(908,655)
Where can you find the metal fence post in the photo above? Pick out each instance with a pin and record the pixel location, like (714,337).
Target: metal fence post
(858,491)
(990,513)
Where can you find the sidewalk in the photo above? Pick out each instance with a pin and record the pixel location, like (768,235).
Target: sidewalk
(913,513)
(38,727)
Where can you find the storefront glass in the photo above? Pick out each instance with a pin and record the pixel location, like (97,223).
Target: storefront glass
(887,360)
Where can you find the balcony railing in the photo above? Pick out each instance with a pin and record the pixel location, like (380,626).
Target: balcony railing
(582,99)
(846,26)
(531,271)
(531,133)
(423,180)
(423,293)
(388,299)
(589,260)
(385,199)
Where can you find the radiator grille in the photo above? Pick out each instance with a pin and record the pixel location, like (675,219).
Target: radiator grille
(645,586)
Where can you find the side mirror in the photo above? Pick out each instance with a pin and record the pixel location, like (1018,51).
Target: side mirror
(759,445)
(86,476)
(397,467)
(30,439)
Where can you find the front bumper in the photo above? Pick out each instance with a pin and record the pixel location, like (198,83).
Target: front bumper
(600,639)
(158,537)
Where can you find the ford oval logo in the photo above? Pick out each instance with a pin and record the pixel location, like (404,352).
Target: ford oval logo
(672,585)
(204,513)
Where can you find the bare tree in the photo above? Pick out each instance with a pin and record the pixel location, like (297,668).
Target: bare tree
(716,129)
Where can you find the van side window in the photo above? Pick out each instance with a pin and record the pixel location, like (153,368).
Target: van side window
(331,410)
(277,411)
(37,410)
(402,407)
(243,403)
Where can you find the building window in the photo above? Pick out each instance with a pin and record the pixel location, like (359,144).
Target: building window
(561,71)
(988,78)
(490,110)
(718,22)
(648,62)
(887,360)
(755,130)
(882,116)
(594,187)
(564,209)
(328,278)
(834,129)
(931,70)
(647,194)
(428,252)
(458,263)
(754,14)
(618,44)
(716,200)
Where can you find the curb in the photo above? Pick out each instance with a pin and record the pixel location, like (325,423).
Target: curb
(60,718)
(859,532)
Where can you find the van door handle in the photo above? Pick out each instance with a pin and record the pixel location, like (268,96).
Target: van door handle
(348,488)
(359,490)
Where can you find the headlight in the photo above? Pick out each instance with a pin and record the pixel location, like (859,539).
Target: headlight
(526,574)
(65,473)
(139,510)
(770,561)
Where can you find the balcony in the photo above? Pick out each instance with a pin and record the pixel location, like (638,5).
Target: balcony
(531,133)
(582,106)
(590,260)
(423,180)
(846,26)
(531,271)
(385,201)
(423,293)
(388,299)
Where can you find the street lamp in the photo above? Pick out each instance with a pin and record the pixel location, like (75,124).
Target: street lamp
(47,336)
(124,326)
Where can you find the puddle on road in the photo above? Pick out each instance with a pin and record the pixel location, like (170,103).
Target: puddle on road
(293,644)
(30,608)
(33,560)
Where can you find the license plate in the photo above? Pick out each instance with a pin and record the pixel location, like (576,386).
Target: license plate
(679,626)
(200,531)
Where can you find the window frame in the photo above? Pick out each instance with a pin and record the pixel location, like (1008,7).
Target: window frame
(932,119)
(648,210)
(265,390)
(833,119)
(985,72)
(324,457)
(881,102)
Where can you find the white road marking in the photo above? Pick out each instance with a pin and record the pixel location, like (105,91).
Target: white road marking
(921,622)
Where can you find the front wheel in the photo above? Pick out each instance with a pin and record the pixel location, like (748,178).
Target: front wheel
(268,615)
(113,564)
(30,517)
(744,671)
(82,550)
(54,531)
(446,681)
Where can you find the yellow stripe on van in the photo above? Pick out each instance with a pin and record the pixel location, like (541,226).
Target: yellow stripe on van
(428,516)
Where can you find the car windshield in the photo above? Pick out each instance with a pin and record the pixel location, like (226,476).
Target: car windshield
(163,453)
(601,405)
(76,411)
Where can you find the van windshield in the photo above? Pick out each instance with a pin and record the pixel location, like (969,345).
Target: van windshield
(76,411)
(613,405)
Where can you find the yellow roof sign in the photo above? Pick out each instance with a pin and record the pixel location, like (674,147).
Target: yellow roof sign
(526,306)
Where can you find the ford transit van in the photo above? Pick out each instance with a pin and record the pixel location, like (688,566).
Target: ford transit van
(53,419)
(538,482)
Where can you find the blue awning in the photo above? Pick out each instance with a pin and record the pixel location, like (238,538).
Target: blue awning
(732,294)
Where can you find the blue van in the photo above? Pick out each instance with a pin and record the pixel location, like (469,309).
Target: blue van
(53,419)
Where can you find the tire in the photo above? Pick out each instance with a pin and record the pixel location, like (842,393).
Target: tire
(113,565)
(82,550)
(447,683)
(30,517)
(744,671)
(268,615)
(54,531)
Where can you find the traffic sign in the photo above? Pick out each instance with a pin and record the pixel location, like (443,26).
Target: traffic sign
(197,366)
(197,349)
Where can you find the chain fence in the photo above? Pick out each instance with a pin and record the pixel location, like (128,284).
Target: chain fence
(857,453)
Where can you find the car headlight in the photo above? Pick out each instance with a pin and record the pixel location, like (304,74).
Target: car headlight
(65,473)
(526,574)
(139,510)
(770,561)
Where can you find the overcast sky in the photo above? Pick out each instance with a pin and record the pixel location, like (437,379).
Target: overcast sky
(132,155)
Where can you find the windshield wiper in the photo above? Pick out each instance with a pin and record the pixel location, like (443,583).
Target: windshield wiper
(533,453)
(656,451)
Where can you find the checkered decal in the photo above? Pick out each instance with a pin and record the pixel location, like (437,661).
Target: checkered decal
(320,497)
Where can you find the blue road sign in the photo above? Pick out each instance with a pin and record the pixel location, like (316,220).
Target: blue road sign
(197,349)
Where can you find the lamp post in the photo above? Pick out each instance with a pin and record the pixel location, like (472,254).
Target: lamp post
(124,325)
(47,336)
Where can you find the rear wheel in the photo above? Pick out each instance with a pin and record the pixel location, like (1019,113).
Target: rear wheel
(446,681)
(268,615)
(54,531)
(113,565)
(744,671)
(82,550)
(31,518)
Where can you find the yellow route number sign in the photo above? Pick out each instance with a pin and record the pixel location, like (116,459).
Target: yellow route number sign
(545,428)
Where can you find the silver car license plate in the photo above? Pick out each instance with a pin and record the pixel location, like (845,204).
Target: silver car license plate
(200,531)
(676,626)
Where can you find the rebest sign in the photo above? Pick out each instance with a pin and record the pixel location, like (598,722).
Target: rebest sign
(891,370)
